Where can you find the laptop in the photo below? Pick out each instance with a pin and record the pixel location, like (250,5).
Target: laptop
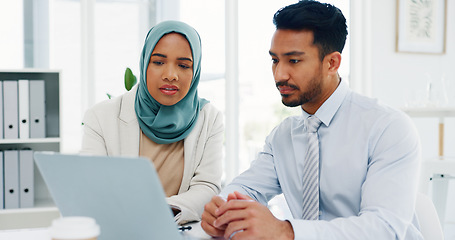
(124,195)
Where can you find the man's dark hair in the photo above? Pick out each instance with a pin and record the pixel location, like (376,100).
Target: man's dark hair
(325,21)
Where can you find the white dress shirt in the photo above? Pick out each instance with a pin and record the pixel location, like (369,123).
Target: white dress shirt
(368,170)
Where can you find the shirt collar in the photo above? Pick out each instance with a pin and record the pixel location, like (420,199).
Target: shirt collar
(329,108)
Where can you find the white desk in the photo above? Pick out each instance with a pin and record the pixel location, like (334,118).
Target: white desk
(43,233)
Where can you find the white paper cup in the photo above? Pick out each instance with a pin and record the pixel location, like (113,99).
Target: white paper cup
(74,228)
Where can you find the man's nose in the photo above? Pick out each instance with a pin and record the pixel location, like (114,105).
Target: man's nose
(280,72)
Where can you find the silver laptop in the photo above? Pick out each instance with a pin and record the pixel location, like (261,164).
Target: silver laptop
(124,195)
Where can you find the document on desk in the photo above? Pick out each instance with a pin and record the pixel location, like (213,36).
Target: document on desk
(196,232)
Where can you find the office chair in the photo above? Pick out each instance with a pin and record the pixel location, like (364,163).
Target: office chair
(430,226)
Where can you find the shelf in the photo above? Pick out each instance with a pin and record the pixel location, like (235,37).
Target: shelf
(40,216)
(52,94)
(44,210)
(40,206)
(436,112)
(430,112)
(48,144)
(29,71)
(30,140)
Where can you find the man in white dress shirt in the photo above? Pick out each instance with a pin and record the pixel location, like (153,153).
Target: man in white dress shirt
(368,153)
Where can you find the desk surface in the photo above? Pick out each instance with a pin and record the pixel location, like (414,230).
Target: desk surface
(43,233)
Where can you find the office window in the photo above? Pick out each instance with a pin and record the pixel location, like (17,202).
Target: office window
(120,27)
(120,30)
(260,107)
(210,26)
(65,56)
(11,35)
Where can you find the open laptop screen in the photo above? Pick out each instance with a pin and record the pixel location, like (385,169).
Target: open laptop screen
(124,195)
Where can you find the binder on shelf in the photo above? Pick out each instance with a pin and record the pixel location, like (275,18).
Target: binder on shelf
(1,110)
(24,127)
(1,182)
(26,190)
(37,109)
(11,178)
(10,110)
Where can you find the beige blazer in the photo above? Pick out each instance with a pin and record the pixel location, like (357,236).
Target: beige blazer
(111,128)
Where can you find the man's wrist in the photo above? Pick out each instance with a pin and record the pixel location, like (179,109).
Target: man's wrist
(287,230)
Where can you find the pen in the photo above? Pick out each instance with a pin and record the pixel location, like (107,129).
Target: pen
(185,228)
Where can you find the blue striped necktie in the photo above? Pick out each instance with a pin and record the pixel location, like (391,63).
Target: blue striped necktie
(311,172)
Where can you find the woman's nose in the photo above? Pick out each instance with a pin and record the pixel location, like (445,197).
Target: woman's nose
(170,73)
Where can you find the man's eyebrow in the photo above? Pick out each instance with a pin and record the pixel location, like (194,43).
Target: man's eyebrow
(293,53)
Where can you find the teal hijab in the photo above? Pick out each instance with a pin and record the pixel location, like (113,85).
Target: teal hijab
(168,124)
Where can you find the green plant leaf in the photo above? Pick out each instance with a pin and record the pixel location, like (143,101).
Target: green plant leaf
(130,79)
(109,95)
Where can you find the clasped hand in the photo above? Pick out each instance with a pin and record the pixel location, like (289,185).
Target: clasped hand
(240,217)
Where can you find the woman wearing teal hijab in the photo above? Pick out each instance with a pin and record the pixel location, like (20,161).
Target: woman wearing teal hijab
(163,118)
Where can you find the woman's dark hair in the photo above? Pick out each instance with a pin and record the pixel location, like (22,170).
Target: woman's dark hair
(325,21)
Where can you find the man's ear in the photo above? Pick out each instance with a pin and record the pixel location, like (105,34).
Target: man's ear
(333,61)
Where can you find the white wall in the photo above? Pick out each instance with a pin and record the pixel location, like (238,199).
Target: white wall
(396,76)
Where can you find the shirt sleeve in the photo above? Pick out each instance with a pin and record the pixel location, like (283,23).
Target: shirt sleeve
(260,181)
(92,139)
(388,192)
